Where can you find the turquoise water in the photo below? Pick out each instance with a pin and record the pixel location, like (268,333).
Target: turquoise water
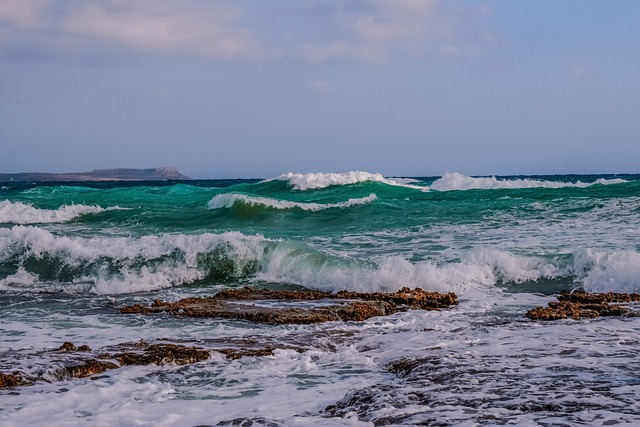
(72,253)
(349,232)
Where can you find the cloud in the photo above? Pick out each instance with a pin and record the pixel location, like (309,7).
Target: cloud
(369,32)
(25,14)
(208,29)
(320,87)
(373,31)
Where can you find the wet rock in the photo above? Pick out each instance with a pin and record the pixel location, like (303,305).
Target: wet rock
(249,293)
(11,380)
(581,305)
(71,347)
(416,299)
(162,354)
(249,422)
(229,305)
(67,346)
(237,353)
(87,368)
(74,365)
(581,297)
(211,307)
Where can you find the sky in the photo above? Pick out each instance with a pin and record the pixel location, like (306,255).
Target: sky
(250,88)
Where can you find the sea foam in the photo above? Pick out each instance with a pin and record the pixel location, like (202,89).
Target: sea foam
(228,200)
(314,181)
(24,213)
(110,265)
(457,181)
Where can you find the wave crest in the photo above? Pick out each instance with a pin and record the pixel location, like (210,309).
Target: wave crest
(315,181)
(23,213)
(34,259)
(228,200)
(457,181)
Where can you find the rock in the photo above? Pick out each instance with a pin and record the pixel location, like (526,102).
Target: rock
(162,354)
(581,305)
(585,298)
(88,367)
(11,380)
(67,346)
(416,299)
(249,293)
(228,305)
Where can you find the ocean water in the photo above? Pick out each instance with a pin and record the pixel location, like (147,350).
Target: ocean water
(72,253)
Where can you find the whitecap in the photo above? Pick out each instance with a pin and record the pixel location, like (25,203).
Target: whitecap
(314,181)
(228,200)
(24,213)
(457,181)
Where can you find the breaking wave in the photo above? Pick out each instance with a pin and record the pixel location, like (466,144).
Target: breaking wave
(458,181)
(314,181)
(34,259)
(228,200)
(23,213)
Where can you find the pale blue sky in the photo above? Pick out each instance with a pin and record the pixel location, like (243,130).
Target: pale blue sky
(259,88)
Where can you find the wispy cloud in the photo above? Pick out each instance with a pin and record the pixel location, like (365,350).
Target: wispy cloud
(364,31)
(373,31)
(189,28)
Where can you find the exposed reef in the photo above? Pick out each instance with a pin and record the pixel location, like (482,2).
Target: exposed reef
(582,305)
(257,305)
(344,306)
(69,361)
(81,362)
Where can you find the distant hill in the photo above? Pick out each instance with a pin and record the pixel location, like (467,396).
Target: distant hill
(155,174)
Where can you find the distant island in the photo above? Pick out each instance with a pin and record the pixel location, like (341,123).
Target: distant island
(154,174)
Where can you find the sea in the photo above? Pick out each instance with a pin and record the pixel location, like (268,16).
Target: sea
(73,253)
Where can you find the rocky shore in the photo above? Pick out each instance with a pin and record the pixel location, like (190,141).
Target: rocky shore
(582,305)
(256,305)
(342,306)
(283,307)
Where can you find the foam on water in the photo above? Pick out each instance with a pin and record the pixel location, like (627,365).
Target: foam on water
(314,181)
(457,181)
(125,264)
(228,200)
(110,265)
(24,213)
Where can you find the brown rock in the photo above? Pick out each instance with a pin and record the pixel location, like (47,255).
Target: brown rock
(580,305)
(67,346)
(88,367)
(11,380)
(162,354)
(585,298)
(249,293)
(414,299)
(222,305)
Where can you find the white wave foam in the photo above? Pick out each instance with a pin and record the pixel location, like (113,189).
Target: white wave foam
(480,268)
(127,264)
(111,265)
(228,200)
(605,271)
(314,181)
(457,181)
(23,213)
